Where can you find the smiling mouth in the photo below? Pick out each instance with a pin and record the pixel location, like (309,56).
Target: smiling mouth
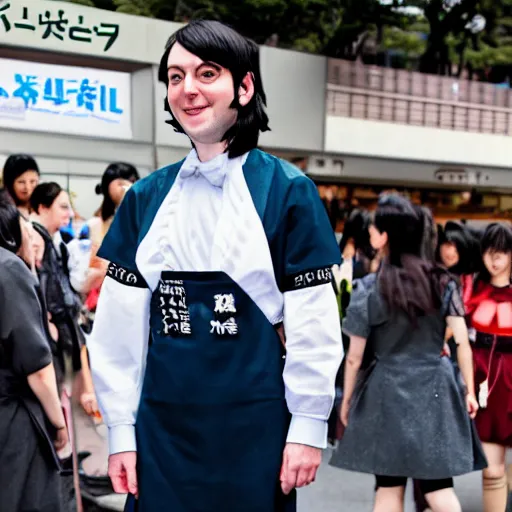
(194,111)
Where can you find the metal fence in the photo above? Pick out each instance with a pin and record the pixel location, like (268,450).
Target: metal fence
(393,95)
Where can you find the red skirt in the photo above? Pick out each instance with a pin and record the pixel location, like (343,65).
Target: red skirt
(494,422)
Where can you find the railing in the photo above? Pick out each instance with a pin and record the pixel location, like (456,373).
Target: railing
(384,94)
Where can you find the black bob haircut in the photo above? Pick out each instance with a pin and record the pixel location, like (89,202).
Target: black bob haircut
(466,243)
(45,195)
(10,229)
(497,237)
(14,167)
(219,44)
(113,172)
(356,228)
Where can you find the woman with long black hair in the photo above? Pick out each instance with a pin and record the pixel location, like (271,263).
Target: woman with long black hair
(405,415)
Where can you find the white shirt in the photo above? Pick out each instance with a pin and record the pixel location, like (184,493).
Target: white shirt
(208,222)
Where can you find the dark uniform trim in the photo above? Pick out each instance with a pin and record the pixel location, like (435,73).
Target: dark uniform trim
(125,276)
(308,279)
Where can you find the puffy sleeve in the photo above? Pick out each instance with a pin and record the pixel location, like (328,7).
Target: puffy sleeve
(119,339)
(311,317)
(21,319)
(357,320)
(453,303)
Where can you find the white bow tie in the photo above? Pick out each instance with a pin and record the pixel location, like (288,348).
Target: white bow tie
(214,170)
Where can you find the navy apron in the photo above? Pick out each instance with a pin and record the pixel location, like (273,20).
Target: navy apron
(212,421)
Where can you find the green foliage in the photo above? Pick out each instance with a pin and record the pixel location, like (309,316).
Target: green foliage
(148,8)
(350,28)
(409,42)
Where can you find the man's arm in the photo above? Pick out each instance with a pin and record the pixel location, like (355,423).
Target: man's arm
(312,328)
(118,348)
(313,356)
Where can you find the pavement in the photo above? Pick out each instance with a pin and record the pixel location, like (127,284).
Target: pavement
(336,490)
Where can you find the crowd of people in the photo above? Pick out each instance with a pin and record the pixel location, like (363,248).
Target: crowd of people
(426,312)
(208,302)
(53,300)
(427,320)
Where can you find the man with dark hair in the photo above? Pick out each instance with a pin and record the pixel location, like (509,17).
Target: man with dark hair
(216,340)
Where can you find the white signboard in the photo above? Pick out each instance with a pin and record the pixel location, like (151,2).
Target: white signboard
(65,99)
(65,27)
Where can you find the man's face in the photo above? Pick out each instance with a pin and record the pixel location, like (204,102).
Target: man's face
(200,94)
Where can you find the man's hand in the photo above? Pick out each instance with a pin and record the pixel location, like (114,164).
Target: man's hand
(300,463)
(122,472)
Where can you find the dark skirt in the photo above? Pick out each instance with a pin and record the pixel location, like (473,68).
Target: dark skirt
(410,420)
(30,480)
(494,422)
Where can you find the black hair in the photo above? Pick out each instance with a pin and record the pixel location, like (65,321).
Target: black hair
(466,243)
(356,228)
(430,233)
(10,229)
(113,172)
(496,238)
(215,42)
(14,167)
(44,195)
(397,217)
(406,279)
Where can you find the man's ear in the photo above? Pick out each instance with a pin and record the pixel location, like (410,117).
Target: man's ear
(246,90)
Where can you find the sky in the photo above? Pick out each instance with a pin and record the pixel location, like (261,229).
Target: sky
(411,10)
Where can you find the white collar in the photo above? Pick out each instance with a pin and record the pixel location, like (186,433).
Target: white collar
(213,170)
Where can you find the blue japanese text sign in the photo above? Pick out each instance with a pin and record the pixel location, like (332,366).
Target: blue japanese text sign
(65,99)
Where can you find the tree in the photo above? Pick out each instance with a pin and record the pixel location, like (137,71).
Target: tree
(333,27)
(465,32)
(441,34)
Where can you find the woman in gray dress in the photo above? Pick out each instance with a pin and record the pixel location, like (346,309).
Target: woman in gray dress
(405,414)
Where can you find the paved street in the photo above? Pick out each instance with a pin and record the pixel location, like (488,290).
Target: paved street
(341,491)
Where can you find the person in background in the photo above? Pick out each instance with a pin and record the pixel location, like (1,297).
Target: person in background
(87,271)
(358,260)
(116,180)
(489,312)
(401,312)
(20,178)
(32,423)
(52,210)
(458,251)
(429,247)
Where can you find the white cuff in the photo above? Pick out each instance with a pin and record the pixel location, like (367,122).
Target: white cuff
(121,438)
(308,431)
